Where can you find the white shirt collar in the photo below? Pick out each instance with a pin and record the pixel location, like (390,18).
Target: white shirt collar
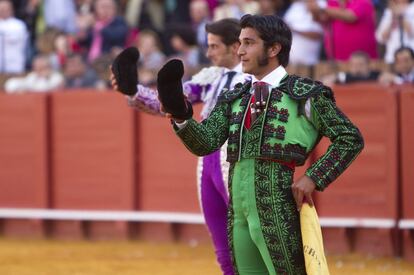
(273,78)
(237,69)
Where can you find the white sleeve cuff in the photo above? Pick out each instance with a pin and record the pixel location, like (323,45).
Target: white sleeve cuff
(308,109)
(181,125)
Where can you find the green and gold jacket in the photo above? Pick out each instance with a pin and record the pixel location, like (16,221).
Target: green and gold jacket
(287,134)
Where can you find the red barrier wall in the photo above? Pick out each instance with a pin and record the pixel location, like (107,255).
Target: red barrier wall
(97,153)
(407,165)
(93,154)
(167,169)
(168,180)
(368,189)
(23,158)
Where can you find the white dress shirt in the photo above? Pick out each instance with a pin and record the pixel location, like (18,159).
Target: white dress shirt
(210,97)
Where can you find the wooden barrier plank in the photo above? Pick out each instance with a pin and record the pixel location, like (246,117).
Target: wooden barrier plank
(167,176)
(24,173)
(93,154)
(407,151)
(407,171)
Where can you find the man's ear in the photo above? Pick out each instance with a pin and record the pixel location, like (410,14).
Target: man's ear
(274,50)
(235,47)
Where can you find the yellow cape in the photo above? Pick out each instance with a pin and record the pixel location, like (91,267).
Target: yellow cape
(315,260)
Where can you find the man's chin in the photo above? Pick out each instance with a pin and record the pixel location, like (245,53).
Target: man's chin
(215,63)
(245,70)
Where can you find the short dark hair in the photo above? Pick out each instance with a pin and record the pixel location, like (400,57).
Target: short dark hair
(271,29)
(228,29)
(403,49)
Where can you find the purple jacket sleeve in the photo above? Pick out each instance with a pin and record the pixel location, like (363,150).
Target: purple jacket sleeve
(146,99)
(193,91)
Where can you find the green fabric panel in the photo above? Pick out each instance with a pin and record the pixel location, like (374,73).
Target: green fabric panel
(279,217)
(299,130)
(250,250)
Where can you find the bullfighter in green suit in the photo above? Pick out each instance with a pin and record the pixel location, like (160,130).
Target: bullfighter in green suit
(272,124)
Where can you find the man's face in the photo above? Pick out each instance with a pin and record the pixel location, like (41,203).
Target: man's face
(74,67)
(177,43)
(359,66)
(404,63)
(6,9)
(198,11)
(147,44)
(41,66)
(252,52)
(219,53)
(105,9)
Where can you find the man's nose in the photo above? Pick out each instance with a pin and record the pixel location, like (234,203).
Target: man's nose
(208,54)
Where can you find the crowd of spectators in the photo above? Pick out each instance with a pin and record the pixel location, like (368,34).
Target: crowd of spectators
(50,45)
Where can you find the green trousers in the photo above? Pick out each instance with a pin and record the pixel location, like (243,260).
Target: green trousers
(264,226)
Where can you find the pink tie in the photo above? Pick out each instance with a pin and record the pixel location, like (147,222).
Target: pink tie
(96,46)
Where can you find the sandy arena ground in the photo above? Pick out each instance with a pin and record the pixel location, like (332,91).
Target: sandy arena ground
(29,257)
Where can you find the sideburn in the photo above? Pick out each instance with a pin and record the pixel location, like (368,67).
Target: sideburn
(263,60)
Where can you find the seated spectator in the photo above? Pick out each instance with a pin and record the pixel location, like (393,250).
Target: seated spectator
(53,43)
(42,78)
(148,78)
(358,71)
(149,46)
(77,74)
(403,68)
(108,30)
(396,28)
(13,40)
(101,65)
